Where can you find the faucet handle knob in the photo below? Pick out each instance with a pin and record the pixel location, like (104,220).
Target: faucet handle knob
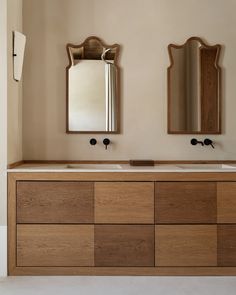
(194,141)
(93,141)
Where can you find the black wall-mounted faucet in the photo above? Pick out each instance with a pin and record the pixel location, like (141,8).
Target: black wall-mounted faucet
(194,141)
(106,142)
(208,141)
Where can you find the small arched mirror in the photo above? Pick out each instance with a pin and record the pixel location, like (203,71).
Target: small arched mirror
(93,87)
(194,82)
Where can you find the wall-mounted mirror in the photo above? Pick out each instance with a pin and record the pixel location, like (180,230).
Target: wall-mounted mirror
(194,79)
(93,87)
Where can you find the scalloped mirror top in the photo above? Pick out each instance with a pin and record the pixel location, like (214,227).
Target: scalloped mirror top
(93,87)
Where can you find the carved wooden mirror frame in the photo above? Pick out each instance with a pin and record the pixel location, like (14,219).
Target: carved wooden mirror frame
(217,47)
(92,48)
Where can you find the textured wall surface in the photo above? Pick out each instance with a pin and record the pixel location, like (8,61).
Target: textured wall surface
(143,29)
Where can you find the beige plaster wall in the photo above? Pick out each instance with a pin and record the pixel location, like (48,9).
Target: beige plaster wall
(143,28)
(3,119)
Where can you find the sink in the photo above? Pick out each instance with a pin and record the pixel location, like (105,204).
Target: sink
(206,166)
(94,166)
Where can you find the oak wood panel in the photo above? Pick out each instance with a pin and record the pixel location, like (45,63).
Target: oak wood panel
(55,245)
(185,202)
(142,163)
(186,245)
(227,245)
(55,202)
(15,164)
(14,270)
(124,245)
(226,202)
(125,271)
(11,228)
(124,202)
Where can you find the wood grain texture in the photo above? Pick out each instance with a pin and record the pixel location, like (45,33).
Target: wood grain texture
(124,245)
(186,245)
(15,164)
(124,202)
(226,202)
(11,222)
(55,202)
(141,162)
(226,250)
(124,271)
(227,245)
(55,245)
(185,202)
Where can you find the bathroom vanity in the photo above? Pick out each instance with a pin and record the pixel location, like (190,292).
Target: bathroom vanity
(122,220)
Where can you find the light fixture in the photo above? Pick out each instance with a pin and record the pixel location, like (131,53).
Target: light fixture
(19,41)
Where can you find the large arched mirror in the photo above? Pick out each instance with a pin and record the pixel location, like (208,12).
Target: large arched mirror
(93,87)
(194,88)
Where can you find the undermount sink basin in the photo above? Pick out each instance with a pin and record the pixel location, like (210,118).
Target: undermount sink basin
(206,166)
(94,166)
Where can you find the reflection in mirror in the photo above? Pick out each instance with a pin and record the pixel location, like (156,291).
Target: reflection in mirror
(92,87)
(194,88)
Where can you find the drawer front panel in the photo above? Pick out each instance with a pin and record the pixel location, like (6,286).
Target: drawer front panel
(227,245)
(55,245)
(186,245)
(124,245)
(185,202)
(55,202)
(124,202)
(226,202)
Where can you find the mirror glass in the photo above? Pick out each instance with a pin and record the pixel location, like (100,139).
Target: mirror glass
(194,88)
(92,87)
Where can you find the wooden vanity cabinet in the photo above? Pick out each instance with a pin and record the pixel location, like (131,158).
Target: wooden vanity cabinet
(121,224)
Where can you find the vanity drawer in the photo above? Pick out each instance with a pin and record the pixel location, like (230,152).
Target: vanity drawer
(186,245)
(124,245)
(55,245)
(227,245)
(226,202)
(124,202)
(55,202)
(185,202)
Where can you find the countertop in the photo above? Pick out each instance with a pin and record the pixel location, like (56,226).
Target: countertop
(119,168)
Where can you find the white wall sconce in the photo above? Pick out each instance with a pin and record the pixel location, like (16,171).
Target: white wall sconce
(19,41)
